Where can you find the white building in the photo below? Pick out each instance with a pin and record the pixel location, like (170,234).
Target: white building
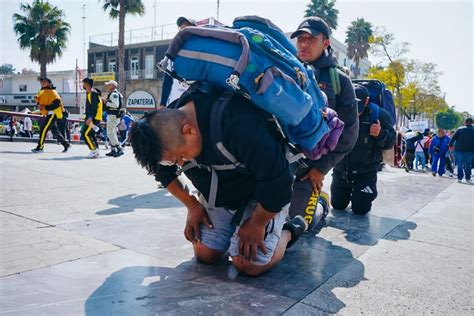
(17,91)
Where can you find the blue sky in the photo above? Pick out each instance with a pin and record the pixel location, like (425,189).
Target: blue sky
(439,31)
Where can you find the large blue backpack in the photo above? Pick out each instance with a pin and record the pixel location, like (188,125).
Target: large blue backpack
(260,66)
(379,95)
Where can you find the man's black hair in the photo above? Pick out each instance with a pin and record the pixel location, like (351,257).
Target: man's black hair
(468,121)
(154,134)
(89,81)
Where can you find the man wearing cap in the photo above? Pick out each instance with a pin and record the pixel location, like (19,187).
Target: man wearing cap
(50,105)
(93,117)
(113,106)
(172,89)
(313,45)
(355,177)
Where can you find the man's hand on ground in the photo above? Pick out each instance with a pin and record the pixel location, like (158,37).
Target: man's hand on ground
(197,215)
(251,235)
(316,178)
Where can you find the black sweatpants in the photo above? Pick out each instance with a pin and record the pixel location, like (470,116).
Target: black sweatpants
(359,189)
(50,123)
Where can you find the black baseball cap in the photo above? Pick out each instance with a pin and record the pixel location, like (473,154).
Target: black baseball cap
(45,79)
(362,94)
(181,20)
(312,25)
(89,81)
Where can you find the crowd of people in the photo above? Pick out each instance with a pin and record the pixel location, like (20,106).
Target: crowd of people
(254,200)
(440,152)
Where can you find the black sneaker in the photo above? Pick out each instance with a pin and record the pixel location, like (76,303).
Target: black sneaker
(118,153)
(66,148)
(112,153)
(37,150)
(296,226)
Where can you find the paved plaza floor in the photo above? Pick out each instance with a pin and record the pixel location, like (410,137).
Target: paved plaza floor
(97,237)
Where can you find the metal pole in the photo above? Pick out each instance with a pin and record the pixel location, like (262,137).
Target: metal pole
(84,36)
(217,16)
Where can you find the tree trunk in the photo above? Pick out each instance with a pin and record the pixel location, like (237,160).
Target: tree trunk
(357,69)
(121,49)
(42,69)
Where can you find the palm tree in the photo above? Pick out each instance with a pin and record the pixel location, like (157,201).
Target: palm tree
(120,8)
(325,10)
(357,40)
(43,31)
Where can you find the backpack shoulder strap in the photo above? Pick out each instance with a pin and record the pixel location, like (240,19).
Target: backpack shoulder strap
(217,112)
(335,82)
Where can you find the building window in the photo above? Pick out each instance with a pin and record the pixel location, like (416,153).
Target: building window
(112,67)
(23,88)
(149,61)
(345,62)
(134,67)
(99,66)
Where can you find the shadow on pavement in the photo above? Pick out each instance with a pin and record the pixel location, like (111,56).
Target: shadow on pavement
(306,267)
(130,202)
(66,158)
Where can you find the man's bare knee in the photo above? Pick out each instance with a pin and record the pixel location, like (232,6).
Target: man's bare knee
(206,255)
(248,268)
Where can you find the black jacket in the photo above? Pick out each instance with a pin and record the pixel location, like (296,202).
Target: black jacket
(463,139)
(94,105)
(344,104)
(367,153)
(248,136)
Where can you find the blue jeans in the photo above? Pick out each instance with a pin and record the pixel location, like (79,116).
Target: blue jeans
(441,158)
(420,158)
(464,161)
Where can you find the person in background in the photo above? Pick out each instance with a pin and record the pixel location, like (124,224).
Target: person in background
(314,47)
(438,149)
(28,127)
(126,122)
(420,158)
(410,140)
(49,103)
(355,176)
(93,116)
(463,142)
(113,105)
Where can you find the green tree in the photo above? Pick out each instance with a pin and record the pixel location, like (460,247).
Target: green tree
(385,46)
(120,9)
(325,10)
(448,119)
(357,40)
(41,29)
(6,69)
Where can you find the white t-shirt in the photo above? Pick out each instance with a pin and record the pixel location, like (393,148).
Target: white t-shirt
(27,124)
(419,145)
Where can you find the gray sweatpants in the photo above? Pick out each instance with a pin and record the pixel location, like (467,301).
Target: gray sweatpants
(112,123)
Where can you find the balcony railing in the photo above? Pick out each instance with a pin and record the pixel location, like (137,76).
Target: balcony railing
(143,74)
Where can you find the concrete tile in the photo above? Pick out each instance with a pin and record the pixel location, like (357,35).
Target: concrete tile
(301,309)
(35,248)
(129,283)
(447,220)
(10,223)
(388,280)
(156,233)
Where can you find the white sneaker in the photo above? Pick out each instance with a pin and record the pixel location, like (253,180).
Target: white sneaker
(94,154)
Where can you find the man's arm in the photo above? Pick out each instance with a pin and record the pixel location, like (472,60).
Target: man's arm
(386,138)
(454,138)
(347,112)
(53,106)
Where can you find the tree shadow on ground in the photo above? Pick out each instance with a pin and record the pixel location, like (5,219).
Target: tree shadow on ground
(130,202)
